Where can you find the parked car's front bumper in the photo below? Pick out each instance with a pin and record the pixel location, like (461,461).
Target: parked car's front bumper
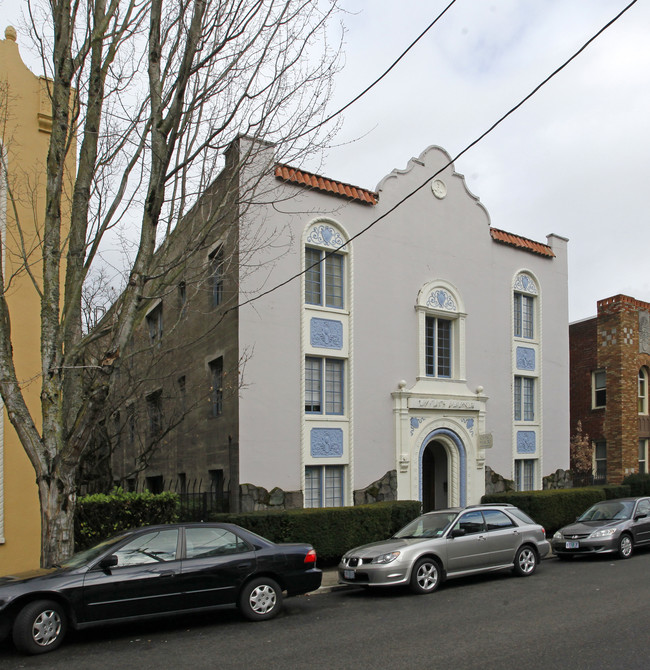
(583,546)
(368,574)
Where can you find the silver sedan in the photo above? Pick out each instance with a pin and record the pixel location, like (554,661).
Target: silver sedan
(608,527)
(449,543)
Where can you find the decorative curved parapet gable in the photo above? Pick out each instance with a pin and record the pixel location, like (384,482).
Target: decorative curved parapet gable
(524,283)
(438,173)
(323,233)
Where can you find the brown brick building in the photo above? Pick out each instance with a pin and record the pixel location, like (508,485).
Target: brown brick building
(609,363)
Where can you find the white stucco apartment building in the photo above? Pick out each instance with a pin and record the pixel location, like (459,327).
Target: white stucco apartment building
(418,339)
(385,344)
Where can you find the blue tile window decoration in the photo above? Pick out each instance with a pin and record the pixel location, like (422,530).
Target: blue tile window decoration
(325,236)
(526,442)
(525,359)
(326,442)
(525,284)
(326,333)
(441,299)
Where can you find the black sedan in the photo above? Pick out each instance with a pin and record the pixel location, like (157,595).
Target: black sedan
(154,571)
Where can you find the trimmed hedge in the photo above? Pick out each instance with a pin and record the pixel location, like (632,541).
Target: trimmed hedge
(331,530)
(557,507)
(99,516)
(639,484)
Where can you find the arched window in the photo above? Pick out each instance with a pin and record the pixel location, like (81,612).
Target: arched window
(325,266)
(525,307)
(441,322)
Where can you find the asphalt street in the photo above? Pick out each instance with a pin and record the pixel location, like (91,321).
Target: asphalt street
(581,614)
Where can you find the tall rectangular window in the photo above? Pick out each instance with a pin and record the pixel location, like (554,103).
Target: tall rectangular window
(313,385)
(524,399)
(154,413)
(182,395)
(155,324)
(216,386)
(333,388)
(643,391)
(599,388)
(130,423)
(525,474)
(437,347)
(324,486)
(600,462)
(524,316)
(216,276)
(334,281)
(324,285)
(313,281)
(643,456)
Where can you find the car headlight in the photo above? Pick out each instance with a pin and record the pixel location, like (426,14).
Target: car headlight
(386,558)
(603,532)
(558,535)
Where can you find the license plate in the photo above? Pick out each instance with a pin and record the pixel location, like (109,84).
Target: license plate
(572,545)
(348,574)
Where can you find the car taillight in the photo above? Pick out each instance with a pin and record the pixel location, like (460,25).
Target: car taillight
(311,556)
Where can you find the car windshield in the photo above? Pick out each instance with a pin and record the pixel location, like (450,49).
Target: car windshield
(89,555)
(428,525)
(608,511)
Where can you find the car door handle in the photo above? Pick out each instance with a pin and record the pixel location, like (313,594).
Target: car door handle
(167,573)
(482,537)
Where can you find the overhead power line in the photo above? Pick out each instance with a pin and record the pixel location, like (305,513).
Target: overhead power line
(381,76)
(511,111)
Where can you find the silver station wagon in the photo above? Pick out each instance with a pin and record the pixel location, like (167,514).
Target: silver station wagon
(449,543)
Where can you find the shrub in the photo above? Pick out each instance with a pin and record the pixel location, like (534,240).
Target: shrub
(639,484)
(331,530)
(99,516)
(558,507)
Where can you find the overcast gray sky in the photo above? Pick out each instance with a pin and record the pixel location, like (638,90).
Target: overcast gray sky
(575,160)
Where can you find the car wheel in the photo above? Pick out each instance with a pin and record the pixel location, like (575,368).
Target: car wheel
(625,546)
(260,599)
(425,576)
(525,561)
(39,627)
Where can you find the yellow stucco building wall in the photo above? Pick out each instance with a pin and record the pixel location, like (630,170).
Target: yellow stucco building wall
(25,122)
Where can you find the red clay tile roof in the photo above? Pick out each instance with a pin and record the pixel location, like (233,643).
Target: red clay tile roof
(302,178)
(521,243)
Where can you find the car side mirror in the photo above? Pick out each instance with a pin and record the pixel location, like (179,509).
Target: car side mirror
(108,562)
(640,515)
(458,532)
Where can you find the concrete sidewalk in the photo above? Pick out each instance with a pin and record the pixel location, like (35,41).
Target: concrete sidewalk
(330,581)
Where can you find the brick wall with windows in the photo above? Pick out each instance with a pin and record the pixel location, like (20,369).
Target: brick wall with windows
(616,343)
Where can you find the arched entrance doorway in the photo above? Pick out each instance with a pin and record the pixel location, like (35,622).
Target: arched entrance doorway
(434,477)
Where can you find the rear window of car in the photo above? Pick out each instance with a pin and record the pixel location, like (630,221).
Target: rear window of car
(521,516)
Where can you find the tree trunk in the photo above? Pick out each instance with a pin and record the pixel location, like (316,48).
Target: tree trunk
(57,499)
